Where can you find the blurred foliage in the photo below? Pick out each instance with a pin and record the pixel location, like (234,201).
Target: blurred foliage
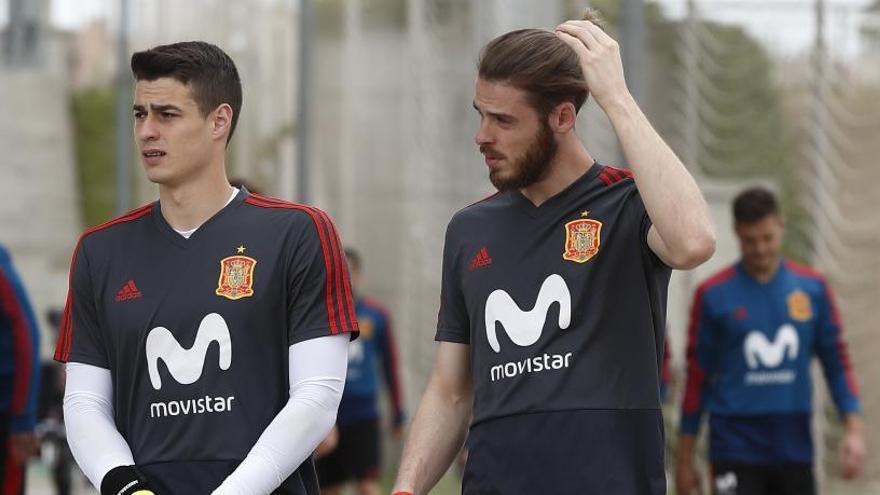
(745,134)
(94,137)
(375,15)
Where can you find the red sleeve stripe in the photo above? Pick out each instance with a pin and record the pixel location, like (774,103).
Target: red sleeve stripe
(65,333)
(337,290)
(842,351)
(343,273)
(696,375)
(21,344)
(339,271)
(14,474)
(612,175)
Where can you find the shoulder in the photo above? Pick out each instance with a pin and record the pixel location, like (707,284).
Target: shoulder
(614,177)
(477,212)
(116,228)
(811,277)
(716,282)
(281,214)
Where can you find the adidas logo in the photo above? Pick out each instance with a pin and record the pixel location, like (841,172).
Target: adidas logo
(128,291)
(481,259)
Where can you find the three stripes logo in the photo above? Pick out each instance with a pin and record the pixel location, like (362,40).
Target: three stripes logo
(128,292)
(481,259)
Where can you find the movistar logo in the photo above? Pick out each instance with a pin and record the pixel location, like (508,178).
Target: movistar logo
(186,365)
(524,327)
(760,351)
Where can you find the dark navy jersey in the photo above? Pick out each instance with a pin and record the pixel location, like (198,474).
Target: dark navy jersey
(373,350)
(563,306)
(750,346)
(195,332)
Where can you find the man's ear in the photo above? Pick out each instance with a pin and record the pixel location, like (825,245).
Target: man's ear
(221,122)
(562,117)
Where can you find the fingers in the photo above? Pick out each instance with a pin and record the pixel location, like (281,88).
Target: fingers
(579,31)
(589,33)
(575,43)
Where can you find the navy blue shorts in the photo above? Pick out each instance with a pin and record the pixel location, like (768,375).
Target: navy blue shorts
(580,452)
(732,478)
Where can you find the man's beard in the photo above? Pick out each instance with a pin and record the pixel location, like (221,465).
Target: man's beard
(532,166)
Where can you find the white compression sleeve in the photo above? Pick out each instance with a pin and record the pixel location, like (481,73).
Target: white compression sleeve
(95,442)
(317,377)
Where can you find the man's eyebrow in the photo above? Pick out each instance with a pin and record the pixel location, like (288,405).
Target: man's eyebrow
(493,114)
(158,108)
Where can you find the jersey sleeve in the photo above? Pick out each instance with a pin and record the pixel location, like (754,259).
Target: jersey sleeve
(390,369)
(834,355)
(453,324)
(319,300)
(16,309)
(80,338)
(643,221)
(700,354)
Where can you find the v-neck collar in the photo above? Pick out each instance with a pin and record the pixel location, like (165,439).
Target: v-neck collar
(574,188)
(182,242)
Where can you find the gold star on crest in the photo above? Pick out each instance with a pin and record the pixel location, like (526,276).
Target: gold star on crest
(240,249)
(585,213)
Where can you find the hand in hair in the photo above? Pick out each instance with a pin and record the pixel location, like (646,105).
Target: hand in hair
(600,59)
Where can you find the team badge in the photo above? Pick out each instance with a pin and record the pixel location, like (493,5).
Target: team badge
(365,325)
(582,239)
(799,307)
(236,277)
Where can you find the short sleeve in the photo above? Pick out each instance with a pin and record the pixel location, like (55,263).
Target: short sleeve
(81,338)
(639,216)
(453,324)
(319,300)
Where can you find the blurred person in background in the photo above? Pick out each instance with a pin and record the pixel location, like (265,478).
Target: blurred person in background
(354,450)
(19,378)
(755,327)
(553,293)
(205,334)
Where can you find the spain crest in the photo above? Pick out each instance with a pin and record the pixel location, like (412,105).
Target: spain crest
(582,239)
(236,277)
(799,307)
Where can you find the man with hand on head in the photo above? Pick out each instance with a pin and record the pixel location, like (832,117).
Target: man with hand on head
(553,305)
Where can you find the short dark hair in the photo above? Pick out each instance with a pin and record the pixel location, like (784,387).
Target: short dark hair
(754,204)
(208,70)
(354,258)
(539,63)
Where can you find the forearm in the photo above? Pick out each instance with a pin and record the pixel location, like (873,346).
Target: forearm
(686,447)
(316,377)
(672,199)
(95,442)
(436,435)
(288,441)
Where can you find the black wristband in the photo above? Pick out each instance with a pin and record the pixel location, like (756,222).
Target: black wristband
(124,480)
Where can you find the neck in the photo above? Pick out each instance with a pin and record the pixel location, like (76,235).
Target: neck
(188,205)
(570,163)
(762,275)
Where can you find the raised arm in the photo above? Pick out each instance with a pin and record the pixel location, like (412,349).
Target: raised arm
(682,234)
